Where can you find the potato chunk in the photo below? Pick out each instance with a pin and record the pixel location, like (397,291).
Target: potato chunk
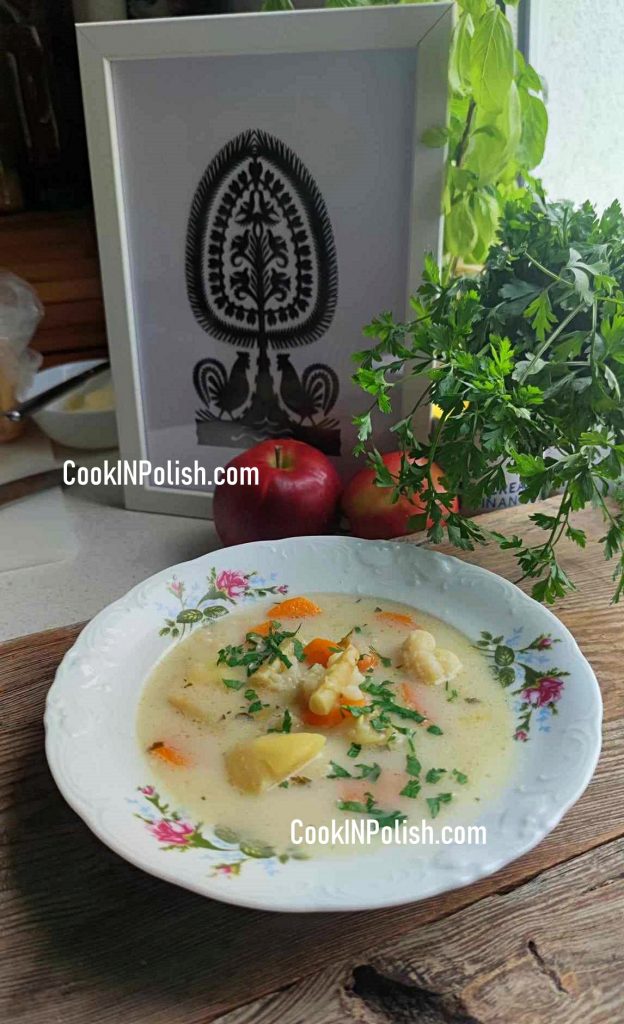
(201,695)
(341,680)
(426,662)
(258,764)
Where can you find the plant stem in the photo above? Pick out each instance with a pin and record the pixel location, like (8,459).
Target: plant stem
(549,340)
(462,145)
(549,273)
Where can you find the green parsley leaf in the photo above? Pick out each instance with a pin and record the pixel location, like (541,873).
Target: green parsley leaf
(435,774)
(357,710)
(386,662)
(233,684)
(435,802)
(369,771)
(258,649)
(385,818)
(255,704)
(286,723)
(354,750)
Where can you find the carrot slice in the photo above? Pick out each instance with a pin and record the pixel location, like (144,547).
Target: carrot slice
(411,701)
(320,650)
(168,754)
(262,629)
(336,716)
(294,608)
(398,618)
(367,662)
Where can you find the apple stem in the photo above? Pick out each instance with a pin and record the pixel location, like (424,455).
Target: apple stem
(278,456)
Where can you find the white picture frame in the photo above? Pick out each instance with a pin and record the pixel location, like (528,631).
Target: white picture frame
(105,50)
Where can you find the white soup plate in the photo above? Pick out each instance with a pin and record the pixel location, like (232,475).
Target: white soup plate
(96,761)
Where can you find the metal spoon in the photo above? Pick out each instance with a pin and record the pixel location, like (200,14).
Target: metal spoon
(24,409)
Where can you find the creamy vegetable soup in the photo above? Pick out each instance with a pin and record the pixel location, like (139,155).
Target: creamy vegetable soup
(325,706)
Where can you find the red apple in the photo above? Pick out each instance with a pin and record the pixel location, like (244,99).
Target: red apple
(296,494)
(369,508)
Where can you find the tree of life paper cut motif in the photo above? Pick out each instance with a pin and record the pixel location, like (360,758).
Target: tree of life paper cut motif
(261,274)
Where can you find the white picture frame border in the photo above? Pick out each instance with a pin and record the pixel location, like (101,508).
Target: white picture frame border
(425,27)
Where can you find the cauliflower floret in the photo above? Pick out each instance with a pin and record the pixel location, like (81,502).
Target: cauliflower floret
(341,679)
(311,680)
(275,675)
(426,662)
(362,732)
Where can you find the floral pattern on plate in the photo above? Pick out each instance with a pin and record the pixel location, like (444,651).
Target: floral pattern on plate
(538,685)
(224,585)
(174,831)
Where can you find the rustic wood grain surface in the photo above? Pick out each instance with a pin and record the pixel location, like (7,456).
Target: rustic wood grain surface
(57,254)
(85,937)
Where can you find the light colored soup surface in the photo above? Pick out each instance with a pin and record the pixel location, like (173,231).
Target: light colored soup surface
(464,735)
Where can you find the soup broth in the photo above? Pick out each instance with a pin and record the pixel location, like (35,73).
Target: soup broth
(397,739)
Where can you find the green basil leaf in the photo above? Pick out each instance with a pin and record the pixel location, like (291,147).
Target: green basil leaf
(492,60)
(534,120)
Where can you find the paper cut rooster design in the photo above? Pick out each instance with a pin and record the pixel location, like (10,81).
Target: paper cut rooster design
(261,274)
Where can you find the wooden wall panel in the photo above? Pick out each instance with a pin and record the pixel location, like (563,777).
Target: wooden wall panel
(57,254)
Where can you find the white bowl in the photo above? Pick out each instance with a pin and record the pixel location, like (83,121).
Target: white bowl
(96,761)
(80,428)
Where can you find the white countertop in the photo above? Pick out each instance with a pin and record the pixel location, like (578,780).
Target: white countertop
(103,550)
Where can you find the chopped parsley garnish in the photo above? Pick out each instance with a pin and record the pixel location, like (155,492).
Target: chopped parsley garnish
(451,695)
(385,818)
(380,724)
(386,662)
(435,774)
(257,649)
(357,709)
(286,723)
(255,704)
(367,771)
(460,777)
(378,689)
(411,789)
(435,802)
(233,684)
(435,730)
(354,750)
(412,765)
(392,708)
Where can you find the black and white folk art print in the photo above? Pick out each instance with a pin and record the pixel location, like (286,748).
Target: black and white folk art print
(272,205)
(262,276)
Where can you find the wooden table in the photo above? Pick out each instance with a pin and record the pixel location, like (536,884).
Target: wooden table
(87,939)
